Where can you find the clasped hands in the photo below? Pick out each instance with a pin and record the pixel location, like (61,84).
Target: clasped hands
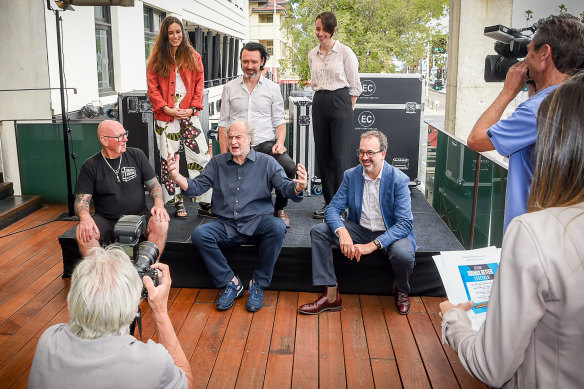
(351,250)
(178,113)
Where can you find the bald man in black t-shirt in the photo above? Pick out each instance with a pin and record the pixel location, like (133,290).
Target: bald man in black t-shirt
(114,178)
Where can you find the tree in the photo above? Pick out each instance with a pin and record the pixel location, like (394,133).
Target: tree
(528,16)
(378,31)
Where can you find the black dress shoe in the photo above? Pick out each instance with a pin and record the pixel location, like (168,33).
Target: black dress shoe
(402,301)
(319,214)
(322,304)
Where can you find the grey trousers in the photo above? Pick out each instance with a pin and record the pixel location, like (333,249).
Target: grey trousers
(401,254)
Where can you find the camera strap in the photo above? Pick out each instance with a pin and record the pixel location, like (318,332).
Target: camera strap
(138,321)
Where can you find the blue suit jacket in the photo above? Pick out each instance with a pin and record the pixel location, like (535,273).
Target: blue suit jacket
(396,206)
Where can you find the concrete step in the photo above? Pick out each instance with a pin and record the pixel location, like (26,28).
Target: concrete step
(6,190)
(14,208)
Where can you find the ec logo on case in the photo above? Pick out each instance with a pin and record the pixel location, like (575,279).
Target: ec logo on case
(368,87)
(366,119)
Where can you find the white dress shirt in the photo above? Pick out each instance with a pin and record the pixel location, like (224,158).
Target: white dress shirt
(371,217)
(340,69)
(263,108)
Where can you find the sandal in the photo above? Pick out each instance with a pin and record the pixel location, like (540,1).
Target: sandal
(205,210)
(180,210)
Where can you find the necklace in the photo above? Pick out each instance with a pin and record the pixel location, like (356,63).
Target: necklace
(116,171)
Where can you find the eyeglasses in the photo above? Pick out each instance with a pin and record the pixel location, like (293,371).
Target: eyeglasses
(370,153)
(119,138)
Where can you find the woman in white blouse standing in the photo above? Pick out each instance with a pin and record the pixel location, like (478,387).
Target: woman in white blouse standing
(533,336)
(334,70)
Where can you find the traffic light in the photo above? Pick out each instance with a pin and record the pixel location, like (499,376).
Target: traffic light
(439,50)
(439,74)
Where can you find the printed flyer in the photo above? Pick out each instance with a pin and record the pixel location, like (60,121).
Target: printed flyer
(468,276)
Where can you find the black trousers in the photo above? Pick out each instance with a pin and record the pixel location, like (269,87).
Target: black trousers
(332,120)
(286,162)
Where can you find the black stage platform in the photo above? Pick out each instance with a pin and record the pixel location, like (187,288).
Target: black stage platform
(372,275)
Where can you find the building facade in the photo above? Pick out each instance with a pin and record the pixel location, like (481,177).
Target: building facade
(104,53)
(265,21)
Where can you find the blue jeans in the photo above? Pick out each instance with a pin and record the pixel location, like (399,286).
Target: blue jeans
(401,254)
(210,238)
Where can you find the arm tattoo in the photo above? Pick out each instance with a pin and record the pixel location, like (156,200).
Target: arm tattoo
(82,201)
(154,188)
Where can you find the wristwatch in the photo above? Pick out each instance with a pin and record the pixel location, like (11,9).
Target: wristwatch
(194,111)
(378,244)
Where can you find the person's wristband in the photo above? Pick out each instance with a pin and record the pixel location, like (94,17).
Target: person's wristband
(378,244)
(194,111)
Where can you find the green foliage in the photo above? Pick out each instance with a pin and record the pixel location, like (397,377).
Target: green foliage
(378,31)
(528,16)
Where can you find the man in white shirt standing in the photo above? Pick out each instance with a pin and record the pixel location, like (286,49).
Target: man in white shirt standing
(380,218)
(258,101)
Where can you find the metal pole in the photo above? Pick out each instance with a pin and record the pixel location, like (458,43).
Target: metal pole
(475,195)
(274,43)
(70,196)
(427,69)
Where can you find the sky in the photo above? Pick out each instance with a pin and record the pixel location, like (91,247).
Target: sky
(541,9)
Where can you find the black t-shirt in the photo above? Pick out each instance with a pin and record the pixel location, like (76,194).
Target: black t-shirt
(111,199)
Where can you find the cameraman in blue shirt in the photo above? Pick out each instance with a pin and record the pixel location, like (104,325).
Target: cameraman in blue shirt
(554,54)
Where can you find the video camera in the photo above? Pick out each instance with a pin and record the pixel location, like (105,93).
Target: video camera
(510,46)
(127,233)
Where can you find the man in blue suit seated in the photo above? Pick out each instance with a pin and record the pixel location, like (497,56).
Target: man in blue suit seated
(379,218)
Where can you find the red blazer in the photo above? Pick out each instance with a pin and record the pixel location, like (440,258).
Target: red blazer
(161,90)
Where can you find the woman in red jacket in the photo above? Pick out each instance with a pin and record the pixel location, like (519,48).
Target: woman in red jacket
(175,87)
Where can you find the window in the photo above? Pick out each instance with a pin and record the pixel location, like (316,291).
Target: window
(270,47)
(152,21)
(266,18)
(103,49)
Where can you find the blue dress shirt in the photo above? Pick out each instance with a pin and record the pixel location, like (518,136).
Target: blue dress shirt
(242,193)
(515,137)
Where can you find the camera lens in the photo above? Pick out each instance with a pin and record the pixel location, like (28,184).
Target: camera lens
(147,255)
(502,67)
(497,66)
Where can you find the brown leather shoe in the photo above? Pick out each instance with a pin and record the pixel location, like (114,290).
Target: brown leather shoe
(402,301)
(322,304)
(284,216)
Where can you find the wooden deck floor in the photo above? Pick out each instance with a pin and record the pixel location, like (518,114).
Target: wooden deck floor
(366,345)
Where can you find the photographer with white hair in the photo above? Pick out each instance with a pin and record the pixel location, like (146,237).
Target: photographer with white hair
(95,349)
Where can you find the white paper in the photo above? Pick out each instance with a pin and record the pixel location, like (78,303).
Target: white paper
(468,276)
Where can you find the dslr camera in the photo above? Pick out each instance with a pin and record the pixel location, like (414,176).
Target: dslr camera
(127,233)
(510,46)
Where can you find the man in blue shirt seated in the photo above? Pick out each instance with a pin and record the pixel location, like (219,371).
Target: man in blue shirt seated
(554,54)
(242,182)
